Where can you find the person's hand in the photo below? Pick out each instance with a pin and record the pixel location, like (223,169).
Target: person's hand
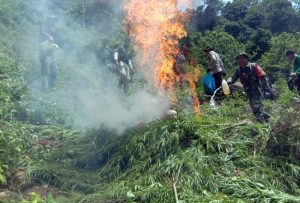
(294,76)
(229,81)
(268,95)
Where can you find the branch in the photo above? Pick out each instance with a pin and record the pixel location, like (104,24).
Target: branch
(229,125)
(174,183)
(238,124)
(288,128)
(175,192)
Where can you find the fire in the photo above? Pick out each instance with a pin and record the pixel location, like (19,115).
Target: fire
(192,79)
(156,27)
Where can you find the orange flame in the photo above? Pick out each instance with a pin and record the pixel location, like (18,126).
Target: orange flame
(156,27)
(192,78)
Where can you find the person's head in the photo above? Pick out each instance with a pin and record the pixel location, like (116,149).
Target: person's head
(207,49)
(242,59)
(290,54)
(51,20)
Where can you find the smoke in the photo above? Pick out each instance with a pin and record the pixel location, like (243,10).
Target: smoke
(189,4)
(85,89)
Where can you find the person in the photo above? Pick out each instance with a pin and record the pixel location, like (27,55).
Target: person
(295,75)
(124,64)
(107,57)
(215,65)
(48,63)
(252,78)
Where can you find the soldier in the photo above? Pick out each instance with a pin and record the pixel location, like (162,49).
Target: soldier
(124,64)
(253,78)
(107,57)
(48,63)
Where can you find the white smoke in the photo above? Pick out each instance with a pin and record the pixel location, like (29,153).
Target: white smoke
(189,4)
(84,87)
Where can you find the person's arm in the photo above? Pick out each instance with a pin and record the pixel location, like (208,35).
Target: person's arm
(260,73)
(263,78)
(212,62)
(234,77)
(223,69)
(116,57)
(130,65)
(55,46)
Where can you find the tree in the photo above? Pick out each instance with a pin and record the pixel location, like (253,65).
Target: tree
(236,10)
(255,17)
(239,31)
(281,16)
(207,17)
(276,54)
(260,42)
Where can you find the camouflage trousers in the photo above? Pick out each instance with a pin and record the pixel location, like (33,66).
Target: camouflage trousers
(256,105)
(123,83)
(294,84)
(48,74)
(124,77)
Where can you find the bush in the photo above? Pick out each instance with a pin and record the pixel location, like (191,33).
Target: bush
(276,55)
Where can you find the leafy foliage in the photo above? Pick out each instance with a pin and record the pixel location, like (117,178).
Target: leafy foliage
(279,44)
(204,159)
(221,156)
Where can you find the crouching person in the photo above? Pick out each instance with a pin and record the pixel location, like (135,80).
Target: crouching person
(294,82)
(253,78)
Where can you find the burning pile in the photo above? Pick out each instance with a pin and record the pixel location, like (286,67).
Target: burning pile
(156,27)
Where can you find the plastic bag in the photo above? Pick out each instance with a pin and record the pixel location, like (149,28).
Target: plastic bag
(209,84)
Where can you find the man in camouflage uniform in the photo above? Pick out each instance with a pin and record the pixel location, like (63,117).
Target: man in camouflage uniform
(48,63)
(253,79)
(124,64)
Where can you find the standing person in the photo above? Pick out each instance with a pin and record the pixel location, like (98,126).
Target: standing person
(252,78)
(124,64)
(215,66)
(48,63)
(107,57)
(295,75)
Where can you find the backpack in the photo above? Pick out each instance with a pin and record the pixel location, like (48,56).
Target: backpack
(254,78)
